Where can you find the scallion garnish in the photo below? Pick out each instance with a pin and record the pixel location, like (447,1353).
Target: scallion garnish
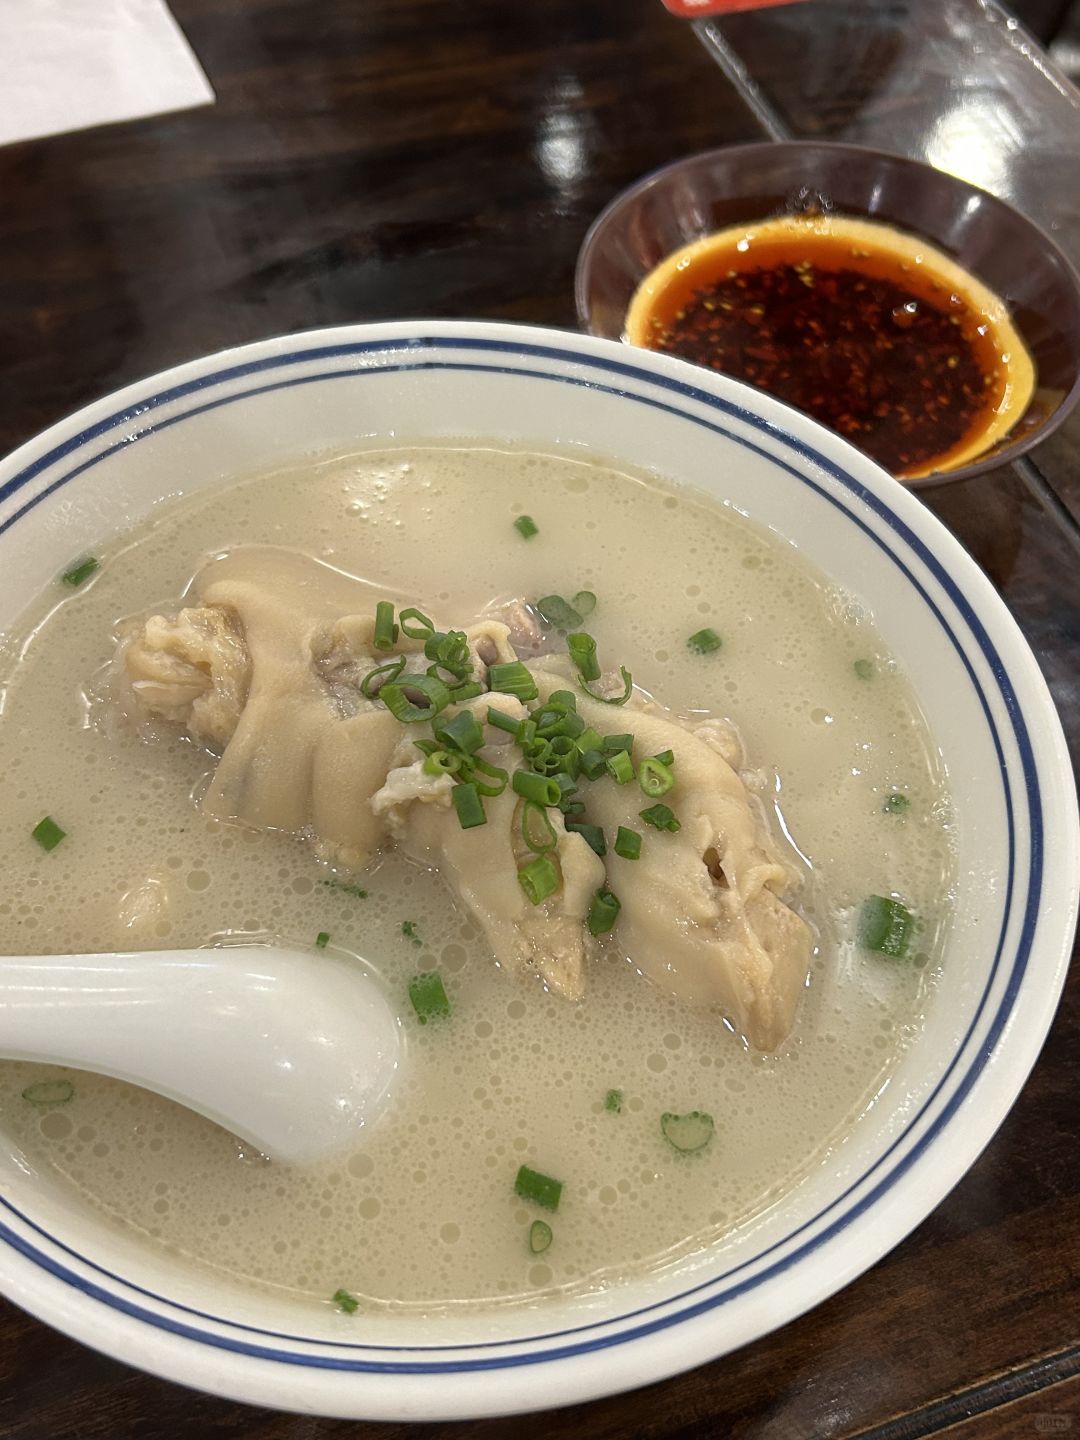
(704,642)
(397,696)
(603,912)
(526,527)
(584,602)
(442,762)
(593,764)
(537,830)
(896,803)
(589,739)
(322,939)
(450,652)
(462,733)
(864,669)
(510,677)
(502,721)
(540,1189)
(885,925)
(539,879)
(375,679)
(557,612)
(582,648)
(613,1102)
(661,818)
(415,624)
(666,757)
(687,1133)
(468,691)
(620,767)
(469,806)
(627,843)
(49,1092)
(47,833)
(628,690)
(386,632)
(489,779)
(612,744)
(654,777)
(540,1237)
(428,996)
(345,1302)
(540,789)
(80,571)
(408,929)
(593,835)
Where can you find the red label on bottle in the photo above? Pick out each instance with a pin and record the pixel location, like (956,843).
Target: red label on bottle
(690,9)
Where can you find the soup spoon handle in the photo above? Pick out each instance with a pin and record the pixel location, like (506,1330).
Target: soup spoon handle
(290,1050)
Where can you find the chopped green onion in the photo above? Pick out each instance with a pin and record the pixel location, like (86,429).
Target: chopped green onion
(512,678)
(571,807)
(627,843)
(704,642)
(428,996)
(390,671)
(489,779)
(536,829)
(538,788)
(567,756)
(468,805)
(79,572)
(526,527)
(666,757)
(584,602)
(603,912)
(660,817)
(49,1092)
(613,1102)
(654,777)
(567,785)
(469,691)
(864,669)
(502,721)
(47,833)
(345,1302)
(555,610)
(885,925)
(450,652)
(896,803)
(593,835)
(687,1133)
(442,762)
(526,732)
(620,767)
(421,629)
(322,939)
(589,739)
(628,690)
(408,929)
(539,879)
(582,648)
(612,744)
(593,764)
(357,891)
(462,733)
(540,1237)
(386,632)
(397,698)
(540,1189)
(564,701)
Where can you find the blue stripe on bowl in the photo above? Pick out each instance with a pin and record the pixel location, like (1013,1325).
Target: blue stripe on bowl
(408,355)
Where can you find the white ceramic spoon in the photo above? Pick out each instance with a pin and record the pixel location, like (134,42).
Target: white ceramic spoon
(292,1051)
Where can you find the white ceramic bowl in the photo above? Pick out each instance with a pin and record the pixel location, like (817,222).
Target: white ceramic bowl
(985,701)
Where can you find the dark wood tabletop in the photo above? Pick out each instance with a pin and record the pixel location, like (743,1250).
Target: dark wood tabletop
(444,158)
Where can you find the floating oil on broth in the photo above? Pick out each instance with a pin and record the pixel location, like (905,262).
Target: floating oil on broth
(873,332)
(423,1213)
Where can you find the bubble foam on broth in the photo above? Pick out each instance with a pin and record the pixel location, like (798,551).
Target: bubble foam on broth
(423,1213)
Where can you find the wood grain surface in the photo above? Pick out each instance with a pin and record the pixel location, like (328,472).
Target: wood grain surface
(437,157)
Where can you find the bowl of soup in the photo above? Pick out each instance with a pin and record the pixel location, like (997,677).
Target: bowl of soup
(928,322)
(689,790)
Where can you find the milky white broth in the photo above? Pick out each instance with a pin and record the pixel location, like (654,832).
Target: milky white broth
(423,1211)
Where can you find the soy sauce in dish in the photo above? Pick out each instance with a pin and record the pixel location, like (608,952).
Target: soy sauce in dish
(872,332)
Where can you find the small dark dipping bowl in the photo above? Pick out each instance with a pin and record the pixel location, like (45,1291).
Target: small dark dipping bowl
(704,193)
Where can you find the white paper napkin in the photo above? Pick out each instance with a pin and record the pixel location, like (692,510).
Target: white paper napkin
(69,64)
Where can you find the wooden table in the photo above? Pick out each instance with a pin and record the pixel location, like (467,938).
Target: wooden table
(435,157)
